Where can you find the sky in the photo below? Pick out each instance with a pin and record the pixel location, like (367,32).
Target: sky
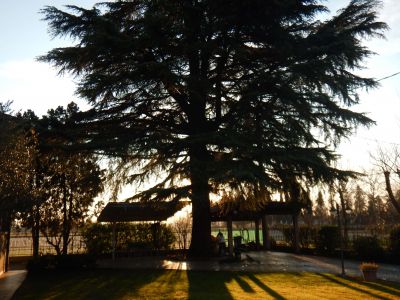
(33,85)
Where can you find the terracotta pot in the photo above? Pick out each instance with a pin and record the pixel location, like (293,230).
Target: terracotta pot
(369,275)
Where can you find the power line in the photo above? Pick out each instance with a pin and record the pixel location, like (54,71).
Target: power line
(390,76)
(376,140)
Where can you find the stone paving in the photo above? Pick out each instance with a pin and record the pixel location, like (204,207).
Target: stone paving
(260,261)
(10,282)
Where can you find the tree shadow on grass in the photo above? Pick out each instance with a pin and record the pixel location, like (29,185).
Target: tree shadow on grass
(348,285)
(266,288)
(243,284)
(204,286)
(388,288)
(93,284)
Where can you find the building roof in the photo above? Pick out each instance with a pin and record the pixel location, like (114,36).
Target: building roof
(160,211)
(140,211)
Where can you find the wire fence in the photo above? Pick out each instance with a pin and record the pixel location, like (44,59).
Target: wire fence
(21,243)
(282,234)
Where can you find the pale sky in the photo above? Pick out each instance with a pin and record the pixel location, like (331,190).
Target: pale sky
(35,85)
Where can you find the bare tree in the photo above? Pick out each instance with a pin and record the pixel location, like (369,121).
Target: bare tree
(345,203)
(388,160)
(373,184)
(182,228)
(320,210)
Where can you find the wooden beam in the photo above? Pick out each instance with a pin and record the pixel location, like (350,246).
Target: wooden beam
(296,235)
(265,233)
(230,236)
(257,232)
(114,240)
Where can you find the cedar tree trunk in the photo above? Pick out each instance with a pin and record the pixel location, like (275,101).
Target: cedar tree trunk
(201,228)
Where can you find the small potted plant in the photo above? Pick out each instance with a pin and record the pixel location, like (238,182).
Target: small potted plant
(369,271)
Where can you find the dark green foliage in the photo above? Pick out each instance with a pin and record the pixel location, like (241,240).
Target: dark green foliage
(307,236)
(130,237)
(368,248)
(97,238)
(63,183)
(17,148)
(328,239)
(225,93)
(394,245)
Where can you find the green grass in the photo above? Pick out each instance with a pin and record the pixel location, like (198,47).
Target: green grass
(170,284)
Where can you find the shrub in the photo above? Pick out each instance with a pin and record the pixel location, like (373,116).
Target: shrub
(98,237)
(165,239)
(394,242)
(367,248)
(288,234)
(328,239)
(307,236)
(272,243)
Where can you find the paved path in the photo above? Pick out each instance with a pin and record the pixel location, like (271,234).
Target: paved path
(279,261)
(10,282)
(260,261)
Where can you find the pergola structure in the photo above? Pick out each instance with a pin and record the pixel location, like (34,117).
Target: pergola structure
(230,213)
(115,212)
(140,211)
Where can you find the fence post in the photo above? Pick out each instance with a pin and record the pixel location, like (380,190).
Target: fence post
(114,240)
(257,233)
(230,236)
(296,235)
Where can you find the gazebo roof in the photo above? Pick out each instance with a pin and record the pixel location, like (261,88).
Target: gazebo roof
(223,213)
(140,211)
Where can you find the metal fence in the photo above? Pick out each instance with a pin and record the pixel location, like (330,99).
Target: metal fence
(21,245)
(280,233)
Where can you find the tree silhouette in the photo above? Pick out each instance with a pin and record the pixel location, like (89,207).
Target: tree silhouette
(320,211)
(208,95)
(73,180)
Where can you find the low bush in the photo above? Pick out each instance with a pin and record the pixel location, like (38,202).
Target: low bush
(368,248)
(394,242)
(328,239)
(307,236)
(99,237)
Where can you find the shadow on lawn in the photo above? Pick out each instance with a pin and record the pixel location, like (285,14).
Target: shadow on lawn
(267,289)
(201,286)
(91,284)
(387,287)
(349,283)
(200,283)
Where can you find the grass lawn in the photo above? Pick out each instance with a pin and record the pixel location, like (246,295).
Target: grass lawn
(171,284)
